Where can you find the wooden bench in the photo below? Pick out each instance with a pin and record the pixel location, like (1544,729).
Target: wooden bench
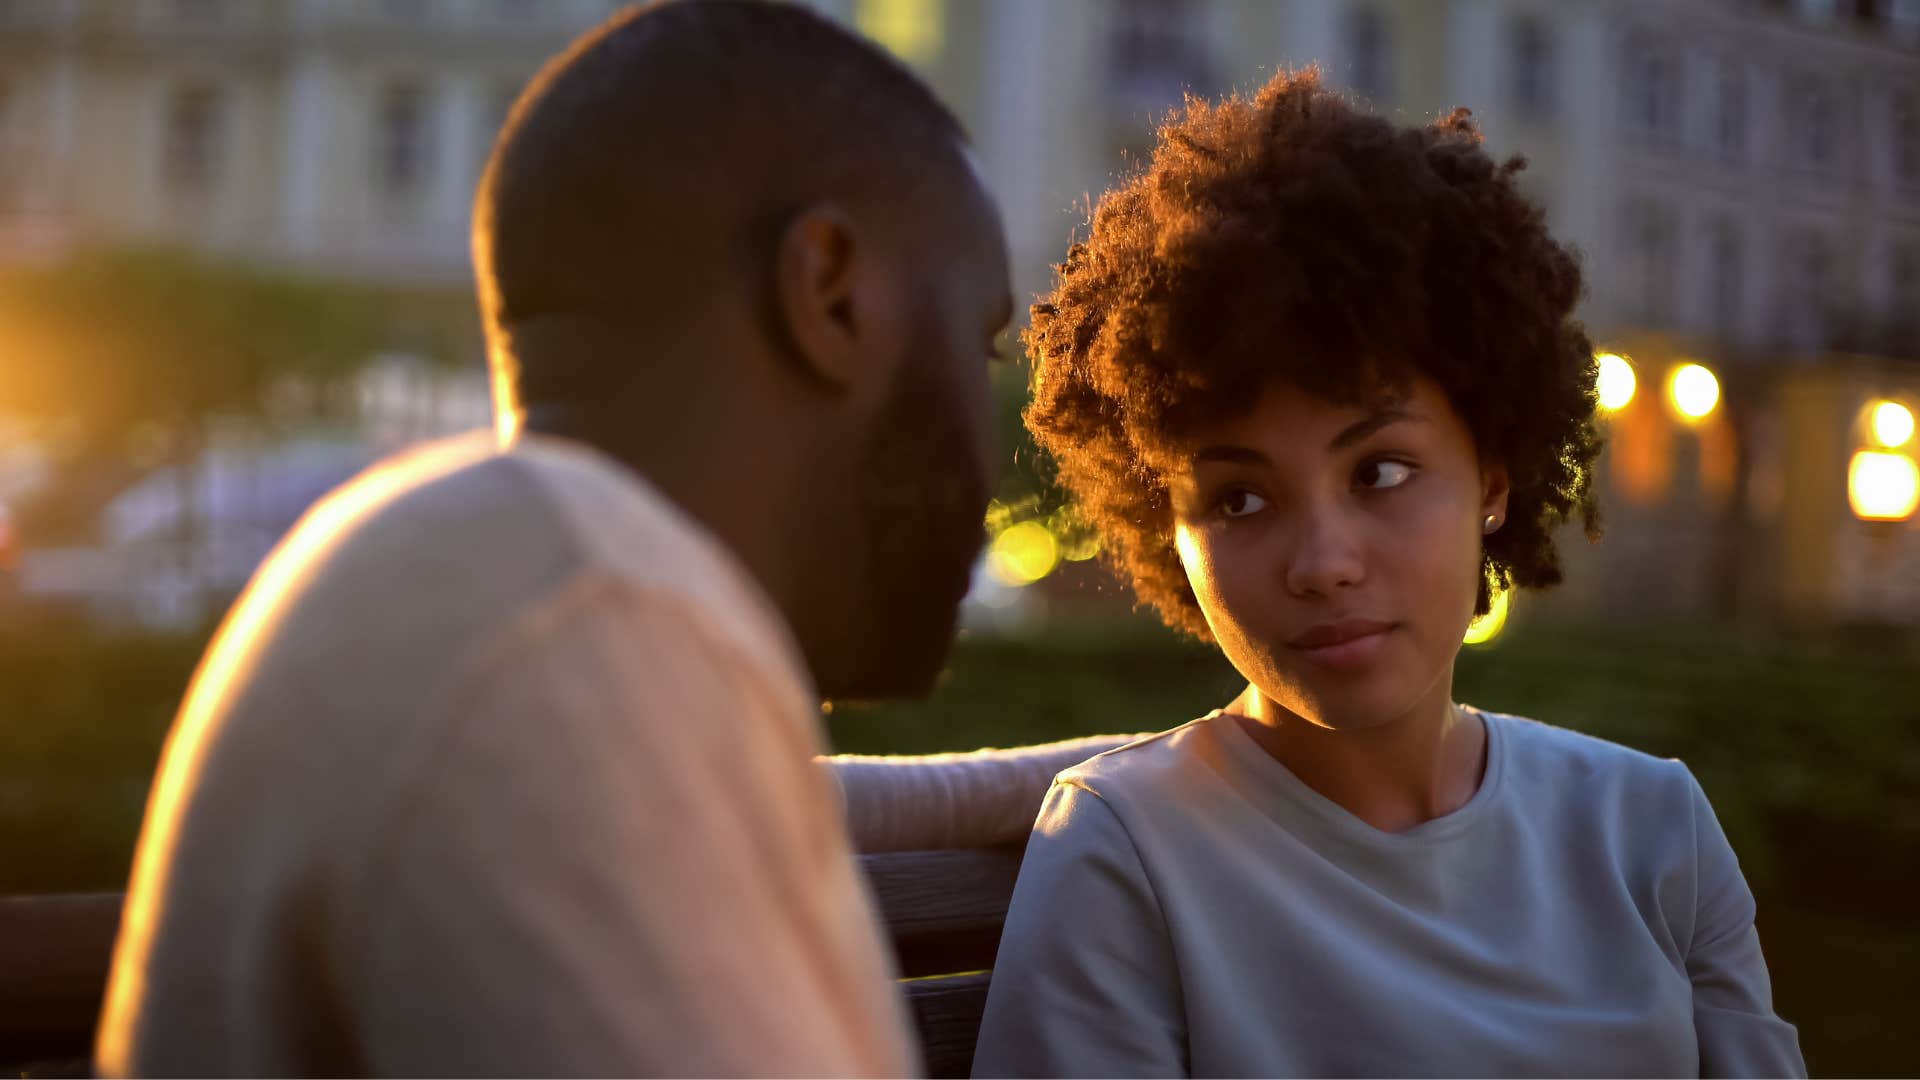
(944,910)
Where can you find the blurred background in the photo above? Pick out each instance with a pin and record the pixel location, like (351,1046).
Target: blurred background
(233,271)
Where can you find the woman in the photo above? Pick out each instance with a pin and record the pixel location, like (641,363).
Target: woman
(1315,378)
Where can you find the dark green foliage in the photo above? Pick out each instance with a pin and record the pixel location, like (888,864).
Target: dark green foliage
(115,339)
(1807,746)
(83,713)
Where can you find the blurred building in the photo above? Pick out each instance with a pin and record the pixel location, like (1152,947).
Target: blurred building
(1743,170)
(1742,176)
(342,137)
(345,135)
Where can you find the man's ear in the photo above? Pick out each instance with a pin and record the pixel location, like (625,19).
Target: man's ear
(828,293)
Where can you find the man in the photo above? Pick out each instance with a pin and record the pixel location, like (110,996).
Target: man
(501,765)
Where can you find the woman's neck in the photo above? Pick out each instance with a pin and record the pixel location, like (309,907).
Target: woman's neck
(1420,766)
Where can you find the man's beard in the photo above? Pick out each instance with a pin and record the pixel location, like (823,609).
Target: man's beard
(921,502)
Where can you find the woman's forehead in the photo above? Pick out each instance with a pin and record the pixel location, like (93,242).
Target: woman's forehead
(1286,406)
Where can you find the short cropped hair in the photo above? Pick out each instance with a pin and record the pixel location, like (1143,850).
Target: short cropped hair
(669,147)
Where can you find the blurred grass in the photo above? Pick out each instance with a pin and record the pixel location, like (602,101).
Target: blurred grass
(1805,742)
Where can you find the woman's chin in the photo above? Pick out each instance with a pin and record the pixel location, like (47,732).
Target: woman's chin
(1347,705)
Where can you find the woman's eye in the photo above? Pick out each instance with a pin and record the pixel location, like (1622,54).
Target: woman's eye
(1380,475)
(1240,503)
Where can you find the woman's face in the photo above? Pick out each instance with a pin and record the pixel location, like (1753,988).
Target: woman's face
(1335,550)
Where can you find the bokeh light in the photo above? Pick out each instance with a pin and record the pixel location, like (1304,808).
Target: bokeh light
(1617,382)
(1883,485)
(1892,424)
(911,29)
(1078,541)
(1695,391)
(1485,628)
(1023,554)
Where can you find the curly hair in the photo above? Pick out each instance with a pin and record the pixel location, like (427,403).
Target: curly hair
(1293,235)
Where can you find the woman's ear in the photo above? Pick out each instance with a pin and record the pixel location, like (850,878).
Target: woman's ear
(1495,485)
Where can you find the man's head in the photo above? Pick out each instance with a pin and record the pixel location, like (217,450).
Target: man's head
(748,254)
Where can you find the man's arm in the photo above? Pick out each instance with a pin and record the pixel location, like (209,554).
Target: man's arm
(936,801)
(619,861)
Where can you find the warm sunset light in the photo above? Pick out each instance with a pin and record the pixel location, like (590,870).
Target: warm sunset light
(1617,382)
(1883,485)
(1023,554)
(1082,547)
(911,29)
(1077,542)
(1892,424)
(1487,627)
(1695,391)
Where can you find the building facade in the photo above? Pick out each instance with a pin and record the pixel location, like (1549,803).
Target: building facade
(1742,171)
(1741,176)
(342,135)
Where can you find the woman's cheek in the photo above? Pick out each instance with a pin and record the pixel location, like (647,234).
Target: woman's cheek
(1439,548)
(1194,546)
(1218,570)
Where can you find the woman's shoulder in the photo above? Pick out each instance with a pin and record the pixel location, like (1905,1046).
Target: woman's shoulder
(1564,763)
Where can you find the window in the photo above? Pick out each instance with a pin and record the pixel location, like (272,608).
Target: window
(913,30)
(1813,124)
(1903,18)
(192,141)
(1729,282)
(1903,297)
(1649,246)
(1807,289)
(10,151)
(199,10)
(1533,69)
(1368,54)
(1730,113)
(1652,88)
(495,120)
(1156,51)
(401,151)
(1906,137)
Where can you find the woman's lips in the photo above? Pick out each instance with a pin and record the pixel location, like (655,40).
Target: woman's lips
(1344,644)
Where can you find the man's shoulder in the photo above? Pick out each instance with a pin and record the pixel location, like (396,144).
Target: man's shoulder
(490,497)
(627,529)
(517,522)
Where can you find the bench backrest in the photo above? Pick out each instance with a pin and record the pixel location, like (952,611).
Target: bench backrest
(944,910)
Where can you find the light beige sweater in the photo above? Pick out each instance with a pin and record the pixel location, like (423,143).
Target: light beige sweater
(501,766)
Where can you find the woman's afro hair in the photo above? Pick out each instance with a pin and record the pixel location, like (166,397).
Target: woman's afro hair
(1293,235)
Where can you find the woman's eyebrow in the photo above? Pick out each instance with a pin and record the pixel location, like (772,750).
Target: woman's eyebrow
(1366,426)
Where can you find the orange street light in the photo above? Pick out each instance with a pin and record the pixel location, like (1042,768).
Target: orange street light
(1616,383)
(1695,392)
(1883,485)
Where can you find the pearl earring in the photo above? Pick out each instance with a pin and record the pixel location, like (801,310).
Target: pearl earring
(1491,525)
